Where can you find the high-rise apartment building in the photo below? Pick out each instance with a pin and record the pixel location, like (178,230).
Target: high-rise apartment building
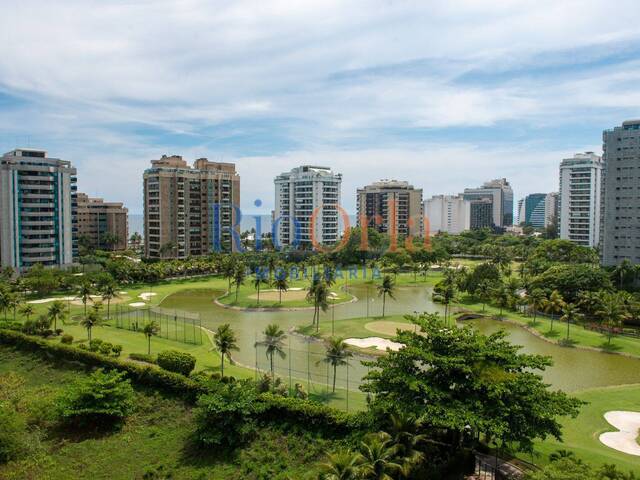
(531,210)
(392,207)
(306,207)
(189,211)
(37,210)
(551,209)
(500,194)
(620,238)
(580,197)
(448,213)
(101,224)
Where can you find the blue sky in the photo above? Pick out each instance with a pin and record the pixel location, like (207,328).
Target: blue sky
(443,94)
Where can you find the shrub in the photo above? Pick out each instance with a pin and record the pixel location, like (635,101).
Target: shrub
(66,339)
(102,399)
(13,436)
(58,331)
(116,350)
(176,361)
(142,357)
(146,375)
(105,348)
(94,345)
(226,418)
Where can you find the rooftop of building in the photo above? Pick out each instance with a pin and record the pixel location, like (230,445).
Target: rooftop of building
(386,184)
(176,162)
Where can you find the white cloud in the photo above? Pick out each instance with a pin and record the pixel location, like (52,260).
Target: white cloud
(324,78)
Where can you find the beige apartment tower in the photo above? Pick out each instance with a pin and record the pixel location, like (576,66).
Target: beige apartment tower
(102,225)
(391,206)
(190,211)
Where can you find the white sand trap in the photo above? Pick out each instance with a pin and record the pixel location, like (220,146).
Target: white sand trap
(137,304)
(53,299)
(122,293)
(147,295)
(295,289)
(379,343)
(628,424)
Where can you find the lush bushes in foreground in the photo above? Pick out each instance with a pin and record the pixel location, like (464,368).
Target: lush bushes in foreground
(103,399)
(176,361)
(13,436)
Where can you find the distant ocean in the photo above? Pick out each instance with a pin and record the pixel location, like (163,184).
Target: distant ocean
(136,223)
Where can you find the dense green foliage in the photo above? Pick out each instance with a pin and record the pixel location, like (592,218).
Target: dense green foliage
(13,438)
(102,399)
(226,417)
(566,467)
(176,361)
(456,378)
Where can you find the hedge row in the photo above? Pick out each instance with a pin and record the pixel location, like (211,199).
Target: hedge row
(278,409)
(145,375)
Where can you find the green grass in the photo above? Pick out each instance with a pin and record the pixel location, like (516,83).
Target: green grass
(135,342)
(247,291)
(351,327)
(578,335)
(581,434)
(156,436)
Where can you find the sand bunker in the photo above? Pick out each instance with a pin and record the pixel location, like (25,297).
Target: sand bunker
(147,295)
(388,328)
(625,440)
(52,299)
(137,304)
(377,342)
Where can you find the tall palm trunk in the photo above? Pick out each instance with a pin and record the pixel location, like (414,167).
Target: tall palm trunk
(335,368)
(149,345)
(384,301)
(222,364)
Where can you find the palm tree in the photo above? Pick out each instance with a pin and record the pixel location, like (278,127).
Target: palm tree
(378,457)
(84,292)
(27,310)
(225,340)
(484,292)
(5,300)
(387,287)
(92,319)
(612,313)
(536,300)
(257,281)
(281,284)
(336,355)
(405,432)
(554,305)
(570,314)
(342,465)
(622,271)
(318,294)
(273,340)
(238,277)
(56,311)
(109,292)
(149,330)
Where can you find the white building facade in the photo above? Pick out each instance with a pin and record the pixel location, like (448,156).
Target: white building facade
(37,210)
(307,201)
(448,213)
(580,199)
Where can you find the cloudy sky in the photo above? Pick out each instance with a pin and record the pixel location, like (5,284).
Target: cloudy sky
(443,94)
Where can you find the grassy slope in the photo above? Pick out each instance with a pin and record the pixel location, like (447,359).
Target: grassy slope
(352,327)
(581,434)
(156,435)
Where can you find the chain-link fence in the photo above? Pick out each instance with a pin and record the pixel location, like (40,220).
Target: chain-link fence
(333,380)
(180,326)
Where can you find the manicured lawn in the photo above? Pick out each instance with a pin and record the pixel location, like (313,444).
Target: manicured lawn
(355,327)
(578,335)
(156,438)
(269,297)
(136,342)
(581,434)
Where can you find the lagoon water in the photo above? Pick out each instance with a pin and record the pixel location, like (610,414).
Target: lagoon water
(574,369)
